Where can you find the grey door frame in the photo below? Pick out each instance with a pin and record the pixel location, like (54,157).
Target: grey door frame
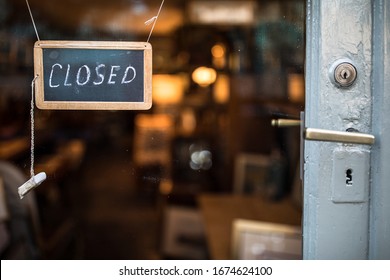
(340,220)
(380,160)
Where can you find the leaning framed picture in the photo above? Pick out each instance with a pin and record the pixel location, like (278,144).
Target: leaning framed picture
(257,174)
(250,173)
(256,240)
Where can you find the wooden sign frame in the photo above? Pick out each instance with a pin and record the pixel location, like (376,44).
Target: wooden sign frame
(92,104)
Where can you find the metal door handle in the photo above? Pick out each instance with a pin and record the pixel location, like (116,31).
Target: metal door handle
(285,122)
(338,136)
(316,134)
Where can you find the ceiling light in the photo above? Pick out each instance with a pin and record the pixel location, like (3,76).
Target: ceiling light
(204,76)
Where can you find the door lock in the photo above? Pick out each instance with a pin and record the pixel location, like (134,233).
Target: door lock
(343,73)
(316,134)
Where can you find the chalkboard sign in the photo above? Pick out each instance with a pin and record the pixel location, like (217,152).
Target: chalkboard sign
(88,75)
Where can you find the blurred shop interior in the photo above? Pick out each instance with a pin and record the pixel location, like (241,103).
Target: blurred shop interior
(201,175)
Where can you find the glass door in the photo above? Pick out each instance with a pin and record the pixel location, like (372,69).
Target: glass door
(174,179)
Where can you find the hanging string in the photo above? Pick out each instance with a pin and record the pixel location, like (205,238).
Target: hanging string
(32,126)
(154,20)
(32,19)
(35,180)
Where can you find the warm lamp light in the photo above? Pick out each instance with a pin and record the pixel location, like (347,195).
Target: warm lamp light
(296,87)
(222,89)
(204,76)
(218,52)
(168,89)
(157,121)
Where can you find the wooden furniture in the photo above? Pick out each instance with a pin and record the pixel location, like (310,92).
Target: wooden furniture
(13,147)
(219,212)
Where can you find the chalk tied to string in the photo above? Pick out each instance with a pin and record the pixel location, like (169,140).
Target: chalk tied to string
(31,184)
(35,180)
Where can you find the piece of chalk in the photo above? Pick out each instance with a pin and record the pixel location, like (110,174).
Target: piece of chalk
(32,183)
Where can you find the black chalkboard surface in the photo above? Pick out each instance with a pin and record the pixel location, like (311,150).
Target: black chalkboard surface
(93,75)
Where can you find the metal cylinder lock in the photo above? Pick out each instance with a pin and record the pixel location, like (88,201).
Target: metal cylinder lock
(343,73)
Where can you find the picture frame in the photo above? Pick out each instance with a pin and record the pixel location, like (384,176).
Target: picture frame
(256,240)
(152,140)
(183,233)
(254,174)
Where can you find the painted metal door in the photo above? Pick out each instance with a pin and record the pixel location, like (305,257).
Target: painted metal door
(347,185)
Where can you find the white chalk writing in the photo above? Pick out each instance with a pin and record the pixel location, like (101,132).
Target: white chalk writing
(111,75)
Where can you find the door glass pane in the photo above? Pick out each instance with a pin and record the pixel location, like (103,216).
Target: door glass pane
(172,181)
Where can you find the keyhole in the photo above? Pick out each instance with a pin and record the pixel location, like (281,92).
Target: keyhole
(348,177)
(344,74)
